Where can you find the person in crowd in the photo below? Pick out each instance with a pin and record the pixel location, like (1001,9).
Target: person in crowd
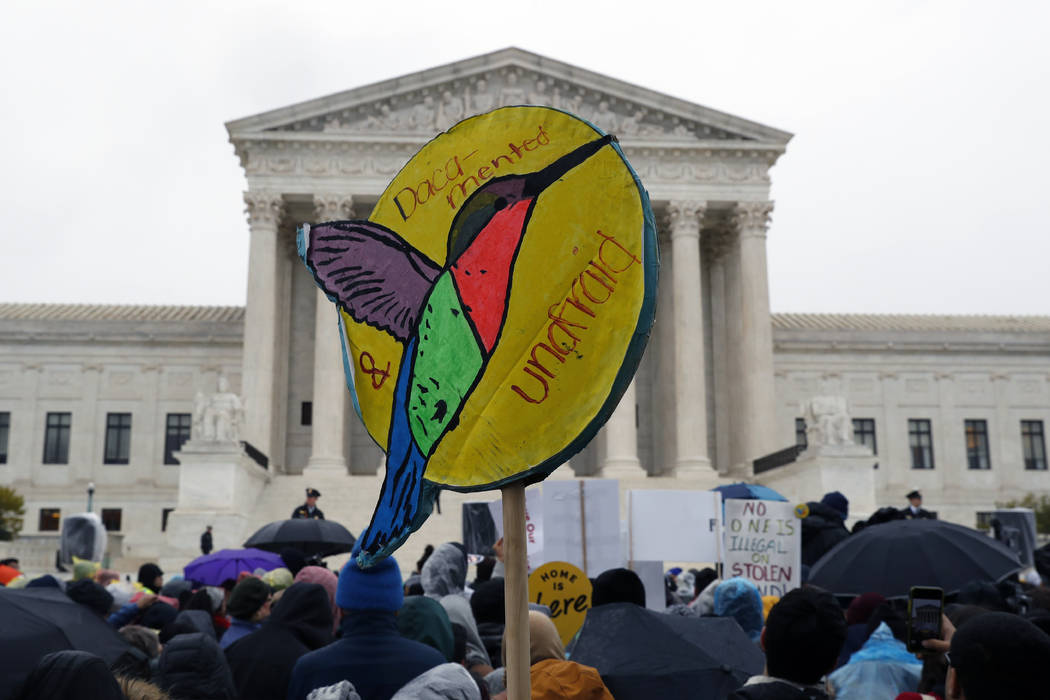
(544,644)
(427,551)
(739,599)
(550,674)
(142,638)
(445,682)
(13,562)
(994,656)
(882,666)
(824,527)
(618,586)
(151,577)
(309,510)
(188,622)
(192,667)
(327,580)
(483,571)
(444,578)
(424,620)
(802,638)
(104,577)
(704,604)
(278,579)
(138,689)
(262,662)
(206,543)
(249,605)
(130,613)
(857,615)
(915,511)
(45,581)
(8,573)
(91,595)
(372,654)
(489,607)
(69,674)
(84,569)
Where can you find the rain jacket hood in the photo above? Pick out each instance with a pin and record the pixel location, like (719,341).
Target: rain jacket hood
(882,666)
(445,572)
(70,674)
(555,679)
(444,682)
(193,667)
(425,620)
(306,611)
(739,599)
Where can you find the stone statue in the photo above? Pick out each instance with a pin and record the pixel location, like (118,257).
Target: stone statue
(827,421)
(218,418)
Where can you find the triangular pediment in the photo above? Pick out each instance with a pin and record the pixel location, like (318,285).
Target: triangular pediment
(424,103)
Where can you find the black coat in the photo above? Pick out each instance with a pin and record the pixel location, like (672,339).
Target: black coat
(372,655)
(206,544)
(776,690)
(303,513)
(262,661)
(922,514)
(192,667)
(822,529)
(70,674)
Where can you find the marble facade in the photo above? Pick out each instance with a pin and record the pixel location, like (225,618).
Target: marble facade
(719,387)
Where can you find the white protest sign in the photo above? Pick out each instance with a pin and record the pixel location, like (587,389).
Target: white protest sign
(675,525)
(581,524)
(763,543)
(533,525)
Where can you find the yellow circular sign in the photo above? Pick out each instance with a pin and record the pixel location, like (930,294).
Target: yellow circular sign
(564,589)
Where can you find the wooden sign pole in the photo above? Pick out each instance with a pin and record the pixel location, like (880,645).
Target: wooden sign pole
(516,583)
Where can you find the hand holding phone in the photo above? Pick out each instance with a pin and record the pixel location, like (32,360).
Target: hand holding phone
(925,612)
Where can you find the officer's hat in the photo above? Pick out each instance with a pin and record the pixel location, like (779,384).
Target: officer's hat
(313,493)
(914,494)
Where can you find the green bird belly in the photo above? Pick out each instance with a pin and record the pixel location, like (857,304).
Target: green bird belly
(446,364)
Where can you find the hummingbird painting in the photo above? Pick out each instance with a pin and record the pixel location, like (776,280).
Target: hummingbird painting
(449,319)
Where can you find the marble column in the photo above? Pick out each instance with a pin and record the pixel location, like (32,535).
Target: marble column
(331,398)
(753,404)
(691,458)
(262,314)
(716,244)
(621,440)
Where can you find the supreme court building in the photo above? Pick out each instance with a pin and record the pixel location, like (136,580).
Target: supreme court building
(955,406)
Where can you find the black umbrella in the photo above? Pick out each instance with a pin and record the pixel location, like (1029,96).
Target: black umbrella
(642,654)
(38,621)
(320,538)
(892,557)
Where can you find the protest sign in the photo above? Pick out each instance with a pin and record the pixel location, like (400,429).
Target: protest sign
(533,525)
(566,590)
(581,521)
(763,543)
(479,528)
(674,525)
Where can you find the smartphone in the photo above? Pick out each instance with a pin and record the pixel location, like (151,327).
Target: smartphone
(925,608)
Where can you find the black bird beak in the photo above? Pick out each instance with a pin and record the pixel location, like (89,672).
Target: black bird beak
(542,179)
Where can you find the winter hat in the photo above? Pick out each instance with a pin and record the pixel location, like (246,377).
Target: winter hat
(837,502)
(618,586)
(247,597)
(489,602)
(90,594)
(375,588)
(278,579)
(739,599)
(148,573)
(82,568)
(860,610)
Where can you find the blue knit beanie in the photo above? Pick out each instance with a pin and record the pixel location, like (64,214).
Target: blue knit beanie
(375,588)
(837,502)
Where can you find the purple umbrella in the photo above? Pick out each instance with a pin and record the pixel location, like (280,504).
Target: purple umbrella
(212,569)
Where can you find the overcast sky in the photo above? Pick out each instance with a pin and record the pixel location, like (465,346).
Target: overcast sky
(916,182)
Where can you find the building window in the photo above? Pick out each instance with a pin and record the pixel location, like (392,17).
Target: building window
(977,444)
(1033,444)
(800,433)
(920,438)
(49,518)
(56,438)
(111,519)
(864,433)
(118,438)
(164,519)
(176,432)
(5,430)
(306,413)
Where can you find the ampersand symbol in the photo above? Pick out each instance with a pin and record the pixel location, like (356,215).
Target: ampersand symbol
(374,371)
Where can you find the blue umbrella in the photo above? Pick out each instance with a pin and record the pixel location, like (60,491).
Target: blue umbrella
(752,491)
(212,569)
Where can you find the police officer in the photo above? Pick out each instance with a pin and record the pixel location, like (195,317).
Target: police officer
(915,511)
(309,510)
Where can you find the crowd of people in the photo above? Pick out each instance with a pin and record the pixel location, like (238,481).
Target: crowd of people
(308,633)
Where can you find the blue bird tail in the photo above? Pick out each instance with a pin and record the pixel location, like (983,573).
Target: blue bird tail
(407,499)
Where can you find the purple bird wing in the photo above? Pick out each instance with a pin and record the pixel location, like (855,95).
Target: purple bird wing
(370,272)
